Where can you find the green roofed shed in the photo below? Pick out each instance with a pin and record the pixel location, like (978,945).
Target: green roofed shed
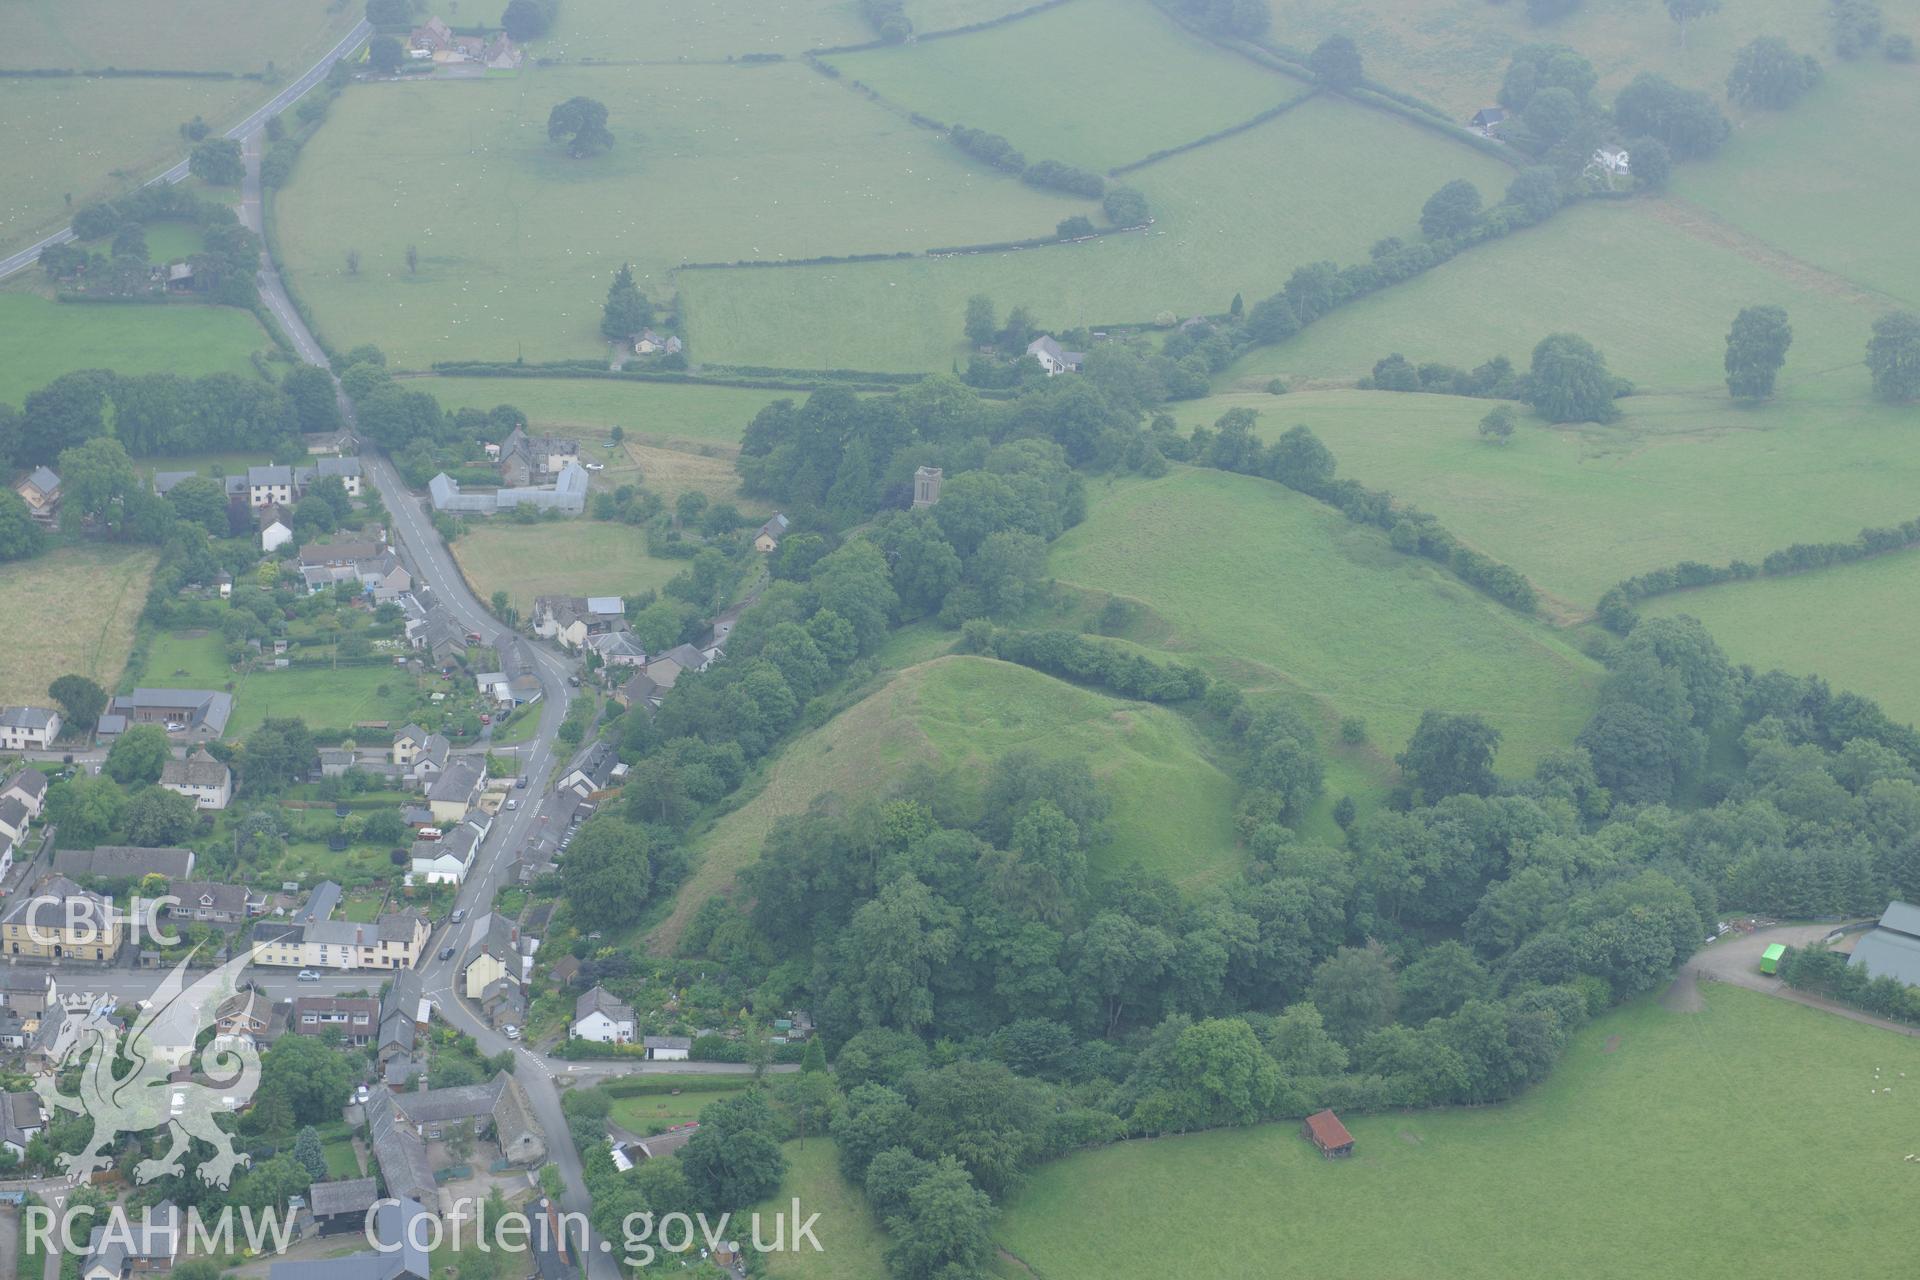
(1770,958)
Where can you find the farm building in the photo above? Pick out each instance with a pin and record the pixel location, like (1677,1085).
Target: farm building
(1324,1130)
(1893,949)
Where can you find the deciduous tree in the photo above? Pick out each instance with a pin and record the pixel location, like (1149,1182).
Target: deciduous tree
(1756,348)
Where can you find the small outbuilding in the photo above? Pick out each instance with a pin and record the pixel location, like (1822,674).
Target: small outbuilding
(1770,958)
(1324,1130)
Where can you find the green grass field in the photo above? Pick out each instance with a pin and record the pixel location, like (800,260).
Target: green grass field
(852,1242)
(324,697)
(1633,278)
(40,340)
(1275,591)
(1577,509)
(1852,625)
(653,411)
(71,610)
(91,138)
(518,243)
(1096,83)
(1172,807)
(1454,52)
(1739,1141)
(650,1112)
(1830,180)
(1323,181)
(660,31)
(567,557)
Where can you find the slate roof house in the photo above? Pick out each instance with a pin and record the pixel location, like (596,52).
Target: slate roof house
(124,862)
(28,728)
(1053,359)
(356,1018)
(399,1257)
(768,538)
(204,902)
(200,776)
(21,1120)
(146,1243)
(29,787)
(598,1016)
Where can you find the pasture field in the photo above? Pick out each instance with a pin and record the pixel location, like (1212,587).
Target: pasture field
(1275,591)
(518,243)
(69,611)
(660,31)
(93,138)
(1172,806)
(1453,53)
(852,1242)
(1633,278)
(1579,508)
(40,340)
(656,412)
(1852,625)
(90,138)
(564,557)
(208,35)
(1831,180)
(944,15)
(1325,180)
(1097,83)
(1638,1156)
(324,697)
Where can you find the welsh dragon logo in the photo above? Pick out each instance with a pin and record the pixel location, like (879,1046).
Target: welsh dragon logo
(126,1086)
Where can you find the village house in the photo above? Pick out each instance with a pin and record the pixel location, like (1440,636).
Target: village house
(498,953)
(29,787)
(448,859)
(618,649)
(498,1109)
(572,620)
(267,486)
(1053,359)
(599,1017)
(203,902)
(200,713)
(406,744)
(28,728)
(58,920)
(656,1147)
(456,789)
(526,459)
(666,668)
(142,1244)
(768,538)
(597,770)
(28,992)
(1488,119)
(650,343)
(394,941)
(124,862)
(640,690)
(208,782)
(21,1120)
(430,761)
(404,1012)
(13,820)
(40,489)
(249,1015)
(356,1018)
(1610,162)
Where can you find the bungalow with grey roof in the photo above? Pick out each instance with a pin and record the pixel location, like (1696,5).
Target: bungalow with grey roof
(199,712)
(205,902)
(124,862)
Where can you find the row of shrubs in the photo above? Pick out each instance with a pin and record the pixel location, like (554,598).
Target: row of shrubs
(825,260)
(148,73)
(1615,608)
(1827,973)
(1219,135)
(1084,658)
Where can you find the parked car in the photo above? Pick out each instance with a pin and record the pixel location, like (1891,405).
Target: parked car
(596,466)
(360,1094)
(308,975)
(510,1032)
(459,914)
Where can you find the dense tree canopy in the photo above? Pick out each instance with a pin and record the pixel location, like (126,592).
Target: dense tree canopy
(582,124)
(1756,348)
